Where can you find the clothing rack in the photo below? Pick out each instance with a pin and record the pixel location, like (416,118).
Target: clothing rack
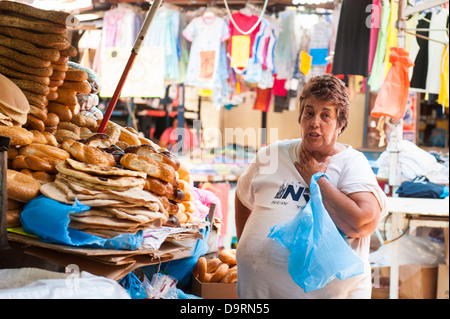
(404,11)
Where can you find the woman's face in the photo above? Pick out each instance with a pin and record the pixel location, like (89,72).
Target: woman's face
(319,126)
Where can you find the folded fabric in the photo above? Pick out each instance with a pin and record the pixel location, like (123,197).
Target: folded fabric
(421,187)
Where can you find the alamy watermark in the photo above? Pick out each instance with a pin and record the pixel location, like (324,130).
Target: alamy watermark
(267,157)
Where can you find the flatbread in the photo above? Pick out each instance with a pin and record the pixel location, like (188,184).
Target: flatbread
(91,185)
(103,169)
(135,196)
(104,181)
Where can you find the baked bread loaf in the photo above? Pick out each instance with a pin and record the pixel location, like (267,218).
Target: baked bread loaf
(21,187)
(88,154)
(29,48)
(156,155)
(41,150)
(59,17)
(27,60)
(35,163)
(152,168)
(45,40)
(21,22)
(18,135)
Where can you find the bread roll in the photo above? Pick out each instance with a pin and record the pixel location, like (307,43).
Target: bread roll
(33,123)
(220,272)
(13,218)
(64,135)
(54,41)
(52,120)
(77,86)
(151,152)
(41,150)
(63,111)
(51,140)
(60,17)
(35,163)
(88,154)
(21,187)
(200,269)
(228,256)
(18,135)
(152,168)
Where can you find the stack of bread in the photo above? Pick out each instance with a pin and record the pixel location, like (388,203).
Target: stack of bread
(222,269)
(34,51)
(116,197)
(55,101)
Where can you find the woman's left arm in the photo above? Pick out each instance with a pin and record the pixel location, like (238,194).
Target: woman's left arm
(356,214)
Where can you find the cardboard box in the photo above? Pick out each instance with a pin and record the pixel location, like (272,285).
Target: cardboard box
(442,282)
(214,290)
(415,282)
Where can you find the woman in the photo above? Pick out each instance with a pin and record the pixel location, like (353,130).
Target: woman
(265,198)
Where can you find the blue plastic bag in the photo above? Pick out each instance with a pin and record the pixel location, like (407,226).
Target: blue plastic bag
(319,252)
(49,220)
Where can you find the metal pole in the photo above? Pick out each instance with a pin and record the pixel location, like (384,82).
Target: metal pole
(134,52)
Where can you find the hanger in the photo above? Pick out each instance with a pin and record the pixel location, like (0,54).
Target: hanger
(247,10)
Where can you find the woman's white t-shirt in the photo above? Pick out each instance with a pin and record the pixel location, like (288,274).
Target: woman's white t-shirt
(275,192)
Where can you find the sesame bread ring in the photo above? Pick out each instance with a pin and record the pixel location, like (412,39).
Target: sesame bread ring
(45,40)
(230,277)
(29,24)
(212,264)
(228,256)
(220,272)
(59,17)
(200,269)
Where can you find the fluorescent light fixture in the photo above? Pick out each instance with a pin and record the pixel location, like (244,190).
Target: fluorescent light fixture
(62,5)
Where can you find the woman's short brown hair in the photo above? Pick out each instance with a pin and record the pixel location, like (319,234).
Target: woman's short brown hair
(328,88)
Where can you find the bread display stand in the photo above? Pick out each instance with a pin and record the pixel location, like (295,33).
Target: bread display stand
(110,263)
(11,256)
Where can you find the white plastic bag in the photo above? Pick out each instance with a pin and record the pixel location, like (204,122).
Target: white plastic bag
(34,283)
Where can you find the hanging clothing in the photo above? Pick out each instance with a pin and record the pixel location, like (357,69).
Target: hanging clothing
(391,36)
(353,39)
(411,41)
(374,30)
(163,33)
(376,75)
(443,98)
(263,98)
(419,77)
(435,49)
(206,35)
(245,23)
(285,49)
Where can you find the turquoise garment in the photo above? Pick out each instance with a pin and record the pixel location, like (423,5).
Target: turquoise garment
(164,32)
(377,75)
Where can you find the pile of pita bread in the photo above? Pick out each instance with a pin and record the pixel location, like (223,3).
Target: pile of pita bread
(118,202)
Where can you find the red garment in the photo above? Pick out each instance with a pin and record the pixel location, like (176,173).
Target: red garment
(393,96)
(244,23)
(279,87)
(262,101)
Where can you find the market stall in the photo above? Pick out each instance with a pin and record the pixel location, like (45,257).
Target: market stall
(71,194)
(90,94)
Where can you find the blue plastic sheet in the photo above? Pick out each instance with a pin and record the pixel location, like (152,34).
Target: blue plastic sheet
(49,220)
(319,252)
